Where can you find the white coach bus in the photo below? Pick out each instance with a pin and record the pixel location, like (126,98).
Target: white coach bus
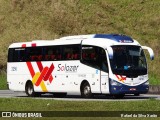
(83,65)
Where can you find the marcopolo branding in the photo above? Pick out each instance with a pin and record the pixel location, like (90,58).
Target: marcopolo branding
(68,68)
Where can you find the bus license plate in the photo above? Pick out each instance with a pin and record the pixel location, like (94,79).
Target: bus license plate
(132,89)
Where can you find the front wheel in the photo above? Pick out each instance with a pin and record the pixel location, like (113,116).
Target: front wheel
(86,90)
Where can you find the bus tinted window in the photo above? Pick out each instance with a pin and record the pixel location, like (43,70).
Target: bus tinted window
(34,54)
(16,55)
(90,55)
(44,53)
(103,60)
(10,54)
(95,57)
(71,52)
(19,55)
(52,53)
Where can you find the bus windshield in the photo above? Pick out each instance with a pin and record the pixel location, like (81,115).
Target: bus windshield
(128,60)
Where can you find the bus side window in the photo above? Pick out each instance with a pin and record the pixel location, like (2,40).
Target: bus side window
(67,51)
(18,55)
(71,52)
(95,57)
(103,60)
(90,56)
(10,54)
(52,53)
(34,54)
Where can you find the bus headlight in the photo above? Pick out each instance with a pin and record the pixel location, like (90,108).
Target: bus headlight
(146,83)
(115,83)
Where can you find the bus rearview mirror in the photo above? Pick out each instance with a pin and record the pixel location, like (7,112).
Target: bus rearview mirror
(151,53)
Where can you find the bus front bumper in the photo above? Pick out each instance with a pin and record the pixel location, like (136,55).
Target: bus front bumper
(124,89)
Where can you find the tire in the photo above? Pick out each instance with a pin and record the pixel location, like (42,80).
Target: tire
(120,96)
(29,89)
(86,90)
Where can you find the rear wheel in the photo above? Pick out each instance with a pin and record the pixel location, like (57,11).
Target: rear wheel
(30,89)
(86,90)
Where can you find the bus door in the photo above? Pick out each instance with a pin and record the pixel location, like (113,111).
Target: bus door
(104,82)
(104,85)
(96,58)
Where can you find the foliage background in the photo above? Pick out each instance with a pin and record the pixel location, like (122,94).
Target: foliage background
(27,20)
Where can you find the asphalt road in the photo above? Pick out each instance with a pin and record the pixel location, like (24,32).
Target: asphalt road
(11,94)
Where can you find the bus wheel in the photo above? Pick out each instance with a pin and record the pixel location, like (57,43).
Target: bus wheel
(86,90)
(30,89)
(120,96)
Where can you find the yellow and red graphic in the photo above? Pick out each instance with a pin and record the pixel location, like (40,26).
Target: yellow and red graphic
(44,74)
(121,78)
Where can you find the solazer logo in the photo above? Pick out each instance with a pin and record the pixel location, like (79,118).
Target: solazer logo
(68,68)
(44,74)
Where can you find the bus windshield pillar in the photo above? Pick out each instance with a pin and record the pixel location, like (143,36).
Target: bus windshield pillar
(110,52)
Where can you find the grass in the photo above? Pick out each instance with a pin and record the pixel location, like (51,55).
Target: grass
(3,82)
(27,20)
(32,104)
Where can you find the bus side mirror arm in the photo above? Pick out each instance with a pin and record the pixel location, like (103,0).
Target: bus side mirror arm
(110,52)
(151,53)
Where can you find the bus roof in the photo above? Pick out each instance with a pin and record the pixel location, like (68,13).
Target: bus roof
(111,37)
(101,40)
